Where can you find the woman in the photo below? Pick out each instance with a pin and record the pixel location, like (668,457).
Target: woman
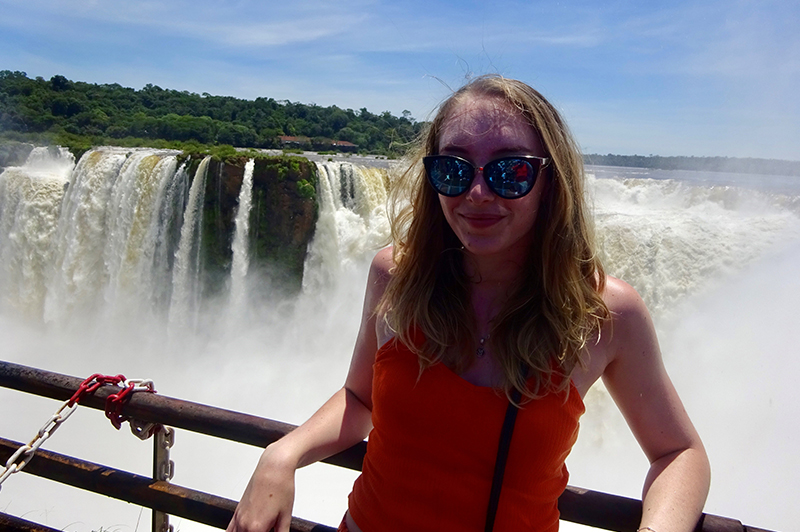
(492,293)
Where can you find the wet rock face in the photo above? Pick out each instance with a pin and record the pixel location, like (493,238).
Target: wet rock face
(282,219)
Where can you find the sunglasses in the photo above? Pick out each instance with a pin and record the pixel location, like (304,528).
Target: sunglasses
(508,177)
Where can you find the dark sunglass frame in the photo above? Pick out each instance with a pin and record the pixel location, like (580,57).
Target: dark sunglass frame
(457,179)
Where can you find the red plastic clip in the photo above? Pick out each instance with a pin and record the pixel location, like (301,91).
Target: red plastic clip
(114,404)
(90,385)
(115,401)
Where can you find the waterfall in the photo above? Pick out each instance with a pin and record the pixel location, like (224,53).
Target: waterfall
(133,214)
(117,238)
(30,202)
(670,238)
(166,233)
(79,273)
(714,262)
(186,275)
(352,221)
(241,256)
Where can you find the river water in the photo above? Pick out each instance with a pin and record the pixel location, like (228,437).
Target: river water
(713,255)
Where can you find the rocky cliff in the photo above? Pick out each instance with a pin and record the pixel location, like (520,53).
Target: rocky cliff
(282,219)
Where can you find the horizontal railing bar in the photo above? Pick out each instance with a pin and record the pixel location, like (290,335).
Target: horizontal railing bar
(578,505)
(10,522)
(157,408)
(137,489)
(614,512)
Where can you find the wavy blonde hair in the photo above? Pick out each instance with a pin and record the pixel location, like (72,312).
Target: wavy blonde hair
(541,333)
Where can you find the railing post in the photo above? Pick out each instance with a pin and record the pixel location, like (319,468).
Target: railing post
(600,510)
(163,469)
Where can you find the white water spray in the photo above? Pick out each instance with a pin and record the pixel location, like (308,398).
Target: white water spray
(186,275)
(715,264)
(31,201)
(352,222)
(241,251)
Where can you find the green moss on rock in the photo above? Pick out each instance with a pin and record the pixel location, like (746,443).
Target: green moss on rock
(282,219)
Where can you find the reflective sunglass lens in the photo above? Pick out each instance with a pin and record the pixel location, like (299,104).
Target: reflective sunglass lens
(511,178)
(448,175)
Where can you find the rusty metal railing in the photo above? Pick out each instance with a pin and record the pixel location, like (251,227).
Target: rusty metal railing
(600,510)
(137,489)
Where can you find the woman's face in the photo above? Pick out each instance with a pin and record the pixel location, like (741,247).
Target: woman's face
(481,129)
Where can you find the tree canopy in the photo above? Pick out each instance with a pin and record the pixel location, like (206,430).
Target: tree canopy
(112,112)
(80,115)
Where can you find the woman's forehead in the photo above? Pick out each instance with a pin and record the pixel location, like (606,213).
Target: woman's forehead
(477,119)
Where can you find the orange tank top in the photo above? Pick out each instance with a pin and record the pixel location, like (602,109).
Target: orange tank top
(431,454)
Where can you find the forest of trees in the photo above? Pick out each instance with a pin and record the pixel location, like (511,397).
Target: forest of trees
(80,115)
(68,111)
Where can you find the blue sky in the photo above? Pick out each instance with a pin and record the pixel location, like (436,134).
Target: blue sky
(666,78)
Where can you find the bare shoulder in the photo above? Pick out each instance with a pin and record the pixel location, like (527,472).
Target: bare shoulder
(380,272)
(373,330)
(629,329)
(630,322)
(379,275)
(633,357)
(622,299)
(635,376)
(382,264)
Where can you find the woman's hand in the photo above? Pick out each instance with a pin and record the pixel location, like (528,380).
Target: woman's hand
(269,497)
(344,420)
(677,484)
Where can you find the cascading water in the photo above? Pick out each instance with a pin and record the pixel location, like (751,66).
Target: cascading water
(165,234)
(711,256)
(714,261)
(241,256)
(31,198)
(669,238)
(78,276)
(186,275)
(352,221)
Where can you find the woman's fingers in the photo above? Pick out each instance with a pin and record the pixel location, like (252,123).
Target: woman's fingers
(267,500)
(283,523)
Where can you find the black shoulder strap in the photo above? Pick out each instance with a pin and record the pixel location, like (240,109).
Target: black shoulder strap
(502,456)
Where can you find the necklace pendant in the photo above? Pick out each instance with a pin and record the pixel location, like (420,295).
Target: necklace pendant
(481,350)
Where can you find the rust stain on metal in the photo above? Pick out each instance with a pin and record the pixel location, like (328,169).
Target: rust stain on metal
(576,504)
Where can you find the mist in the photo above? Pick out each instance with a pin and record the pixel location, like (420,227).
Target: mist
(713,261)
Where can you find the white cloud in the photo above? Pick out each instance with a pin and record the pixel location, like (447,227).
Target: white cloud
(633,68)
(245,25)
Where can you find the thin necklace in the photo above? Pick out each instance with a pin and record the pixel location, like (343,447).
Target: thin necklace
(481,349)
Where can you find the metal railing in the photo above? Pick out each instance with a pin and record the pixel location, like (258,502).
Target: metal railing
(596,509)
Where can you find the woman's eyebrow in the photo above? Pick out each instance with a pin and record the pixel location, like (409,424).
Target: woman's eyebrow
(454,149)
(457,149)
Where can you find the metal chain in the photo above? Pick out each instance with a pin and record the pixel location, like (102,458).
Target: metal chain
(164,467)
(26,452)
(116,401)
(163,470)
(114,404)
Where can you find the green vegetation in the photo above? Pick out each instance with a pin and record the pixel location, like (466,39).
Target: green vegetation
(282,219)
(306,189)
(80,115)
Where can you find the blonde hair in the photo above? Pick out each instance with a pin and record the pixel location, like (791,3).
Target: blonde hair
(555,309)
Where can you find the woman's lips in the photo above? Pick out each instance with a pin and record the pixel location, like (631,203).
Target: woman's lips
(481,221)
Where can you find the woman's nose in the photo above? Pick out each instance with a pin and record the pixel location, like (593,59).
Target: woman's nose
(479,191)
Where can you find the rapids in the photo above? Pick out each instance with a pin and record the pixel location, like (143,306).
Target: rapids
(98,273)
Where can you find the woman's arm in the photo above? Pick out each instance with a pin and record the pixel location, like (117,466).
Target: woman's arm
(344,420)
(677,483)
